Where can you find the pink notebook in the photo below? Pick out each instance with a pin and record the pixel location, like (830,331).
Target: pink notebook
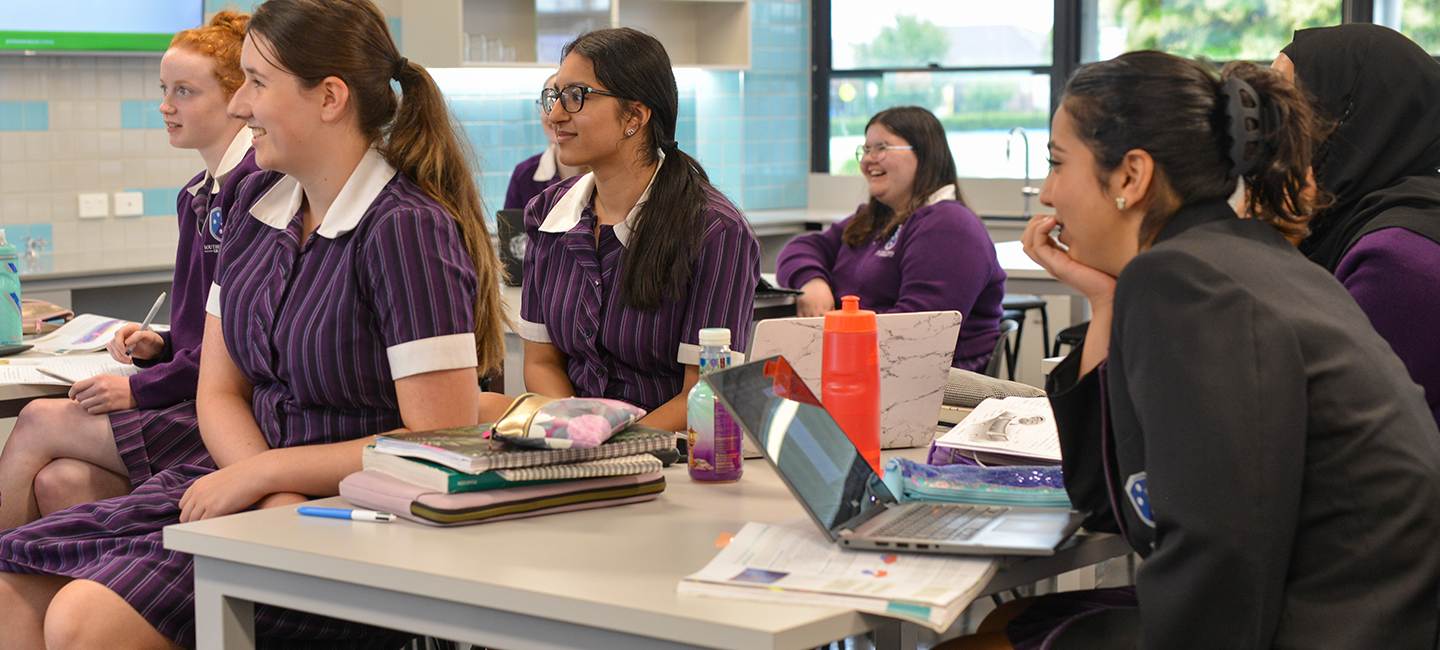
(378,491)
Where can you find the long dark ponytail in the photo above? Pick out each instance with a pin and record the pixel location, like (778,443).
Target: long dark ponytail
(349,39)
(668,231)
(1179,112)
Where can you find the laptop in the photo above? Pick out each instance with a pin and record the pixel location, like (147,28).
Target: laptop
(916,350)
(510,234)
(844,495)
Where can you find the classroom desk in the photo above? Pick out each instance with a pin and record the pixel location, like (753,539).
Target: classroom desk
(593,579)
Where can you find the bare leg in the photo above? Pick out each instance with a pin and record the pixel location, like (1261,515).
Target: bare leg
(67,482)
(85,614)
(23,601)
(45,431)
(991,633)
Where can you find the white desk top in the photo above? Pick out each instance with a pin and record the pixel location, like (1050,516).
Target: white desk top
(611,568)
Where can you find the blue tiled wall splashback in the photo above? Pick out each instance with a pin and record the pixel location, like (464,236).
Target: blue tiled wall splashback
(750,129)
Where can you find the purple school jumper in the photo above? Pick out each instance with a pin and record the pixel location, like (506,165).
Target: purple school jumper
(940,258)
(382,290)
(1394,274)
(162,430)
(571,296)
(523,184)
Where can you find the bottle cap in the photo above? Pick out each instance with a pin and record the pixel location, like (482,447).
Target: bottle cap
(850,317)
(715,336)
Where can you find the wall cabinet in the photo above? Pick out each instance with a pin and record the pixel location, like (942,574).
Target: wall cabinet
(711,34)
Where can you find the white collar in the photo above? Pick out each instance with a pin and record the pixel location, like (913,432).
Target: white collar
(566,212)
(549,166)
(233,155)
(946,193)
(282,200)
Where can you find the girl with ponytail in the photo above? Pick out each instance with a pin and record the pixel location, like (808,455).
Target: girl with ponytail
(356,294)
(1296,467)
(624,265)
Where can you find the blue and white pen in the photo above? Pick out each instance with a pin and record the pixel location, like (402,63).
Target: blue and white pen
(342,513)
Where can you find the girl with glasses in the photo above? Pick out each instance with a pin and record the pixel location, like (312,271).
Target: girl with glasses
(115,432)
(541,170)
(624,265)
(1231,412)
(358,295)
(915,246)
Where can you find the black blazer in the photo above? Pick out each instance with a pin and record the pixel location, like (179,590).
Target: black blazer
(1266,451)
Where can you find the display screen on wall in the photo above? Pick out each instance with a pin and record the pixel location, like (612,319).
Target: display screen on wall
(95,25)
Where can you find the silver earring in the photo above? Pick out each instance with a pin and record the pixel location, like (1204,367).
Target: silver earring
(630,133)
(1120,203)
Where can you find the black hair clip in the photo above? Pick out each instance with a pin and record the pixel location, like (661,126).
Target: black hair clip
(1246,125)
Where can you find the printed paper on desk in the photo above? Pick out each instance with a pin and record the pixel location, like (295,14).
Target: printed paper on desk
(1018,427)
(84,333)
(793,563)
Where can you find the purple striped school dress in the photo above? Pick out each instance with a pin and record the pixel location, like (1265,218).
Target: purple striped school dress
(162,430)
(571,296)
(382,290)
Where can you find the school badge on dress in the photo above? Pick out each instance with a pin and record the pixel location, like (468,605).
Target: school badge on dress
(215,224)
(1139,497)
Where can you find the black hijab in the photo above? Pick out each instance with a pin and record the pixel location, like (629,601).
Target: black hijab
(1380,163)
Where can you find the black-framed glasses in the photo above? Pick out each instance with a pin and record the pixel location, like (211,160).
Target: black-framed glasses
(572,97)
(877,152)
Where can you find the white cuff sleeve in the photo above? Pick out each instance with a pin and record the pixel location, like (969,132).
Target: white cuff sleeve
(534,331)
(435,353)
(212,302)
(690,355)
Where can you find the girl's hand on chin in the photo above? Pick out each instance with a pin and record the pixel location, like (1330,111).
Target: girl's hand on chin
(1095,285)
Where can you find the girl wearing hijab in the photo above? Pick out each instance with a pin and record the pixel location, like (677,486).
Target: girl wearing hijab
(1381,236)
(1231,413)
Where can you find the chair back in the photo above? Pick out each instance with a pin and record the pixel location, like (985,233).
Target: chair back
(997,356)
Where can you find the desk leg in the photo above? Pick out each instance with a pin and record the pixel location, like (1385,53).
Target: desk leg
(221,622)
(897,635)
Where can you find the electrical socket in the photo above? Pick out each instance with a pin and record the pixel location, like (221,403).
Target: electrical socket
(94,205)
(129,204)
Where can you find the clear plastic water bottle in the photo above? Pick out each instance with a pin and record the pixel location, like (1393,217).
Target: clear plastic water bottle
(715,437)
(10,326)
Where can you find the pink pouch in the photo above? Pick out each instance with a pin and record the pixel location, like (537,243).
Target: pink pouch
(379,491)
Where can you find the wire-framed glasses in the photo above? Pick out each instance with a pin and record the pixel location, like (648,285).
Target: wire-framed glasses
(572,97)
(877,152)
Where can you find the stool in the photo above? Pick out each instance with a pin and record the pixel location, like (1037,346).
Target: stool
(1071,336)
(1016,307)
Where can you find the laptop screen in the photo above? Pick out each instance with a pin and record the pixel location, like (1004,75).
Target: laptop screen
(808,449)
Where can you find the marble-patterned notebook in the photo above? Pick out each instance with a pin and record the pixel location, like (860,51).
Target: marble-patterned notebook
(916,350)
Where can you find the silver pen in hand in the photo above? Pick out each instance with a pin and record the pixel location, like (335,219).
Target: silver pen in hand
(145,324)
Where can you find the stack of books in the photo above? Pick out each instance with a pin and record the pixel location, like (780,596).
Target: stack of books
(458,476)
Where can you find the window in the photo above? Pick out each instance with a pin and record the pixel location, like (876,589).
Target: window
(1253,30)
(987,67)
(982,68)
(1418,19)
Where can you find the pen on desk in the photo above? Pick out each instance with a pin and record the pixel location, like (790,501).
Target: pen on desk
(342,513)
(51,373)
(145,324)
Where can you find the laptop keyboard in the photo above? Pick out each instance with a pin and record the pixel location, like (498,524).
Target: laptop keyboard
(951,521)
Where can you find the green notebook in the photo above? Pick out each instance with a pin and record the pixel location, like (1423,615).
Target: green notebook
(467,450)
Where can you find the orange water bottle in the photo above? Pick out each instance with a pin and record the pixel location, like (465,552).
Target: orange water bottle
(850,376)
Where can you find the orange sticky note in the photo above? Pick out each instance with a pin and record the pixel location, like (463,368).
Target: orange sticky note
(724,540)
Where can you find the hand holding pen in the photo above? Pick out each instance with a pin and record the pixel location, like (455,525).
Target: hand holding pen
(138,341)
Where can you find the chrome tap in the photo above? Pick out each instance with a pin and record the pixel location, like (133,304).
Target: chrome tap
(1027,191)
